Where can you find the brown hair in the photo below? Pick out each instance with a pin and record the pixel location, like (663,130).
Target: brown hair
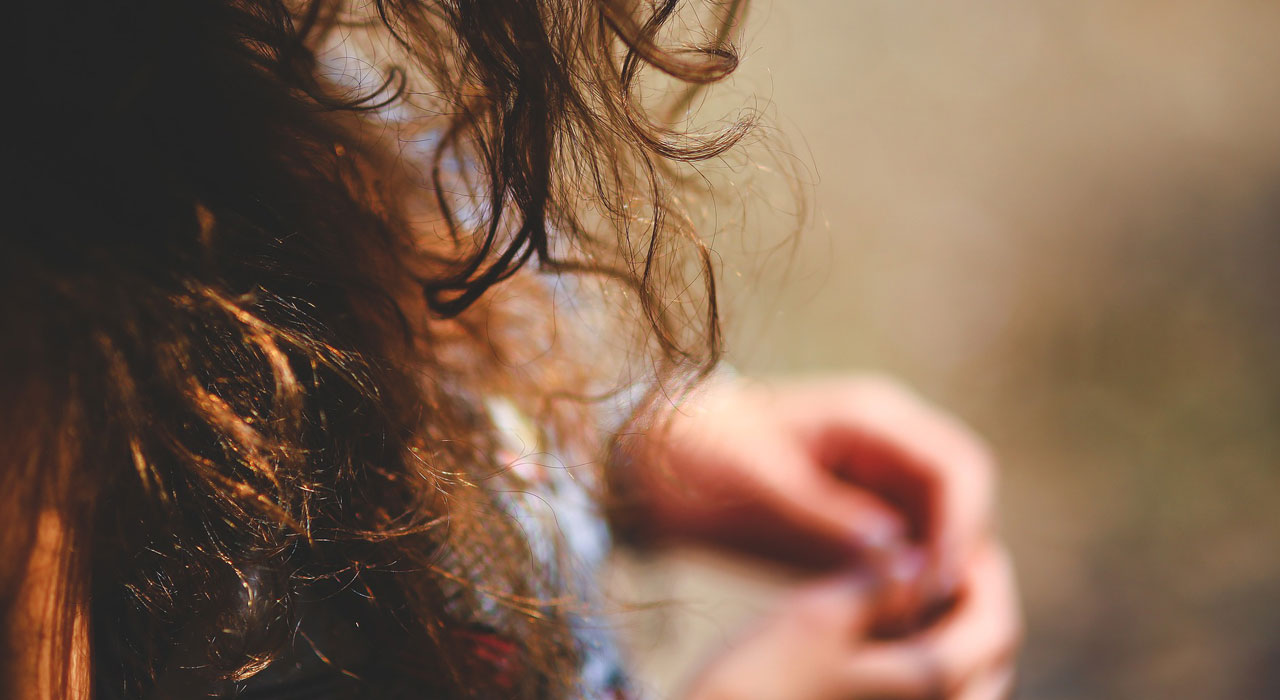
(246,329)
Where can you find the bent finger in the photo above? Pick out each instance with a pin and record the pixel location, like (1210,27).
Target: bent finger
(981,632)
(889,440)
(847,514)
(985,625)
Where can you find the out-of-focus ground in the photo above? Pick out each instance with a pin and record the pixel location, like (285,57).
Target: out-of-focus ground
(1061,220)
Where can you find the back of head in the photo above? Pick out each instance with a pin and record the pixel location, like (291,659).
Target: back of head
(246,332)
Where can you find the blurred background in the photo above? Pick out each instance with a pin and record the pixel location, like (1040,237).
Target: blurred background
(1059,219)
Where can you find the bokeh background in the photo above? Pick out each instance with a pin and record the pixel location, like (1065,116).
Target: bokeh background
(1060,219)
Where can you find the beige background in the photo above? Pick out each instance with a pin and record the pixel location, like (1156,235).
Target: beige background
(1060,219)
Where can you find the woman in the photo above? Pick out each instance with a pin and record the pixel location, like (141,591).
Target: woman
(282,349)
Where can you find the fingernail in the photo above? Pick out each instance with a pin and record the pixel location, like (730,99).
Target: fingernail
(906,566)
(899,605)
(879,536)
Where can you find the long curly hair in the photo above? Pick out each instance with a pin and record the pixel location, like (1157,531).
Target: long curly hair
(269,260)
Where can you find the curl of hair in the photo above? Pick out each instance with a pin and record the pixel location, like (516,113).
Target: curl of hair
(251,311)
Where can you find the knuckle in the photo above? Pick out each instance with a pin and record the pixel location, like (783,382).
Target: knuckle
(975,460)
(983,456)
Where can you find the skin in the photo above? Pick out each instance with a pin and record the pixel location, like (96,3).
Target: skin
(818,646)
(886,500)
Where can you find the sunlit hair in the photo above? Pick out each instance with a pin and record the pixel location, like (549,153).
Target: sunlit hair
(251,310)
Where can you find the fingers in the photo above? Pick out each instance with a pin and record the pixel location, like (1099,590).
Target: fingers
(885,438)
(842,605)
(794,653)
(815,646)
(962,656)
(846,513)
(984,627)
(814,519)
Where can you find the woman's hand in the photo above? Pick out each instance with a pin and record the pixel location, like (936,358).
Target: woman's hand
(817,646)
(828,473)
(855,474)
